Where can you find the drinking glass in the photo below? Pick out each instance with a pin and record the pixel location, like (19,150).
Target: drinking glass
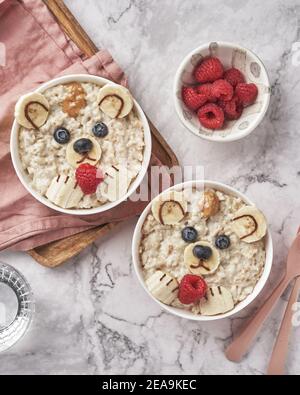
(16,306)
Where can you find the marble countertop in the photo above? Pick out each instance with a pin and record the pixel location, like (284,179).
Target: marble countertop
(92,315)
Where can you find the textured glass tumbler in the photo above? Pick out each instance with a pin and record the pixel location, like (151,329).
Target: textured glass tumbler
(16,306)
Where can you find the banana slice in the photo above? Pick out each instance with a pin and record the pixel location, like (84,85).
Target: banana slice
(218,300)
(115,101)
(32,110)
(198,266)
(64,192)
(169,208)
(163,287)
(249,224)
(115,184)
(75,159)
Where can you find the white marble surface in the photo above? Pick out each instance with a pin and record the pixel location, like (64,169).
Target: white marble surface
(92,315)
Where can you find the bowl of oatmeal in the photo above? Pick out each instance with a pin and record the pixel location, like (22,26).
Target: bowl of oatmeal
(202,250)
(216,117)
(80,144)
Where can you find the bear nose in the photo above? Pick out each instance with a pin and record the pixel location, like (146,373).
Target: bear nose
(83,146)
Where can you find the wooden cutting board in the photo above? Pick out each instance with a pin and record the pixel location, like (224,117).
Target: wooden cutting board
(58,252)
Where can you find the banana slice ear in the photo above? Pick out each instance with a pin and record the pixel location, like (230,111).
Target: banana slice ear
(169,208)
(64,192)
(163,286)
(218,300)
(115,101)
(198,266)
(32,110)
(75,159)
(249,224)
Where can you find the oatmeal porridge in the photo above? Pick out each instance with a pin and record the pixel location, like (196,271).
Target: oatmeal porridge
(203,251)
(82,145)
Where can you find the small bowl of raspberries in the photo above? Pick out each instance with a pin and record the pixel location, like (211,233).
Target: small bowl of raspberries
(221,91)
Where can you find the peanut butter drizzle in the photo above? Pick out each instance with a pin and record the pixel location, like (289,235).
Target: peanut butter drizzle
(75,100)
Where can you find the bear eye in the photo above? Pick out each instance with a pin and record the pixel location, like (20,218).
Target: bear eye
(189,234)
(100,129)
(61,135)
(222,242)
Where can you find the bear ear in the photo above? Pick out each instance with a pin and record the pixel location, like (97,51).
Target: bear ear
(32,110)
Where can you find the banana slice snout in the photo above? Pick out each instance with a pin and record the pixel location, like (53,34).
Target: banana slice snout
(200,266)
(218,300)
(169,208)
(249,224)
(32,110)
(64,192)
(75,159)
(163,287)
(115,101)
(116,183)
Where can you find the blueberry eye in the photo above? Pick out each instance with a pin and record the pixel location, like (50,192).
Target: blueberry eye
(222,242)
(189,234)
(100,129)
(61,135)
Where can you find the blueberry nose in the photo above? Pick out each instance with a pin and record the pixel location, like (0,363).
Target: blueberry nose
(83,146)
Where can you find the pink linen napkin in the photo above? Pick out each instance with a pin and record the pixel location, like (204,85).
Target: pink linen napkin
(35,50)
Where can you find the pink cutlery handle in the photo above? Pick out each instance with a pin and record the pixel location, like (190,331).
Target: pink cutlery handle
(280,350)
(239,347)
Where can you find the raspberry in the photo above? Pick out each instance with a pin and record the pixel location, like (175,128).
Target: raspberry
(209,70)
(211,116)
(247,93)
(234,76)
(222,90)
(205,90)
(192,99)
(191,289)
(88,178)
(232,109)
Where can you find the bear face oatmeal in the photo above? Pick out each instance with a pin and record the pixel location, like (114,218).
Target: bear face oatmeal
(202,250)
(81,144)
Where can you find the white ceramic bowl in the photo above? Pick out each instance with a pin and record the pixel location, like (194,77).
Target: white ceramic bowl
(231,55)
(24,177)
(184,313)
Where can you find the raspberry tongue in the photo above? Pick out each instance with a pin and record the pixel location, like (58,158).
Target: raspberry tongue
(88,178)
(191,289)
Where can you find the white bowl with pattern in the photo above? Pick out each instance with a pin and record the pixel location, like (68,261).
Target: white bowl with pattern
(231,55)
